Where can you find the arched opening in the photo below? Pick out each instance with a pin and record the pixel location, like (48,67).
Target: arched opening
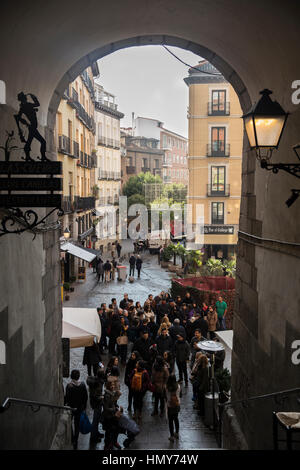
(227,71)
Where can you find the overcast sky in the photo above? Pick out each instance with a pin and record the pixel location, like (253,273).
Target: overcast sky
(148,81)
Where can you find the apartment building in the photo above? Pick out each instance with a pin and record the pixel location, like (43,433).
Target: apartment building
(108,170)
(174,166)
(141,155)
(215,157)
(75,138)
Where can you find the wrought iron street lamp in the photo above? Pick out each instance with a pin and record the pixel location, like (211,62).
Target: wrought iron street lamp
(264,125)
(67,233)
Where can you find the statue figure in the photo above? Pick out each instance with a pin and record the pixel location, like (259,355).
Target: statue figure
(29,110)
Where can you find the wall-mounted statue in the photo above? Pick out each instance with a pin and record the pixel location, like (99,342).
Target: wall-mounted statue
(28,110)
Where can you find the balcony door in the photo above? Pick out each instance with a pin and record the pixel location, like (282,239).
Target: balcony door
(217,213)
(218,99)
(218,136)
(218,177)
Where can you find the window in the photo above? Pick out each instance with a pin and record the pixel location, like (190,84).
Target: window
(217,213)
(218,98)
(164,141)
(218,179)
(218,140)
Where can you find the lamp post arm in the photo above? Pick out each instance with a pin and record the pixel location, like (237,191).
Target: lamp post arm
(291,168)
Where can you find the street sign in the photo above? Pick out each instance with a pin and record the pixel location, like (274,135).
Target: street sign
(30,168)
(30,200)
(30,184)
(218,229)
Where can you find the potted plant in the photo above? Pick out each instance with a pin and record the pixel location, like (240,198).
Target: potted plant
(223,379)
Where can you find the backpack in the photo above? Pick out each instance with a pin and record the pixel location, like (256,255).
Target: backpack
(173,401)
(136,382)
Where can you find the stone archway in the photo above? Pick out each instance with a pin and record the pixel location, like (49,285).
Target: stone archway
(228,72)
(38,43)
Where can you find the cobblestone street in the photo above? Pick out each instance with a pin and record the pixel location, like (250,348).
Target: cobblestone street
(193,434)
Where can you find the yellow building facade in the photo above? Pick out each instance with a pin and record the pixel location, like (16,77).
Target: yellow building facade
(214,158)
(75,138)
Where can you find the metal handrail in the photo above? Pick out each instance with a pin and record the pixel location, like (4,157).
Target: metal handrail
(260,397)
(6,404)
(229,404)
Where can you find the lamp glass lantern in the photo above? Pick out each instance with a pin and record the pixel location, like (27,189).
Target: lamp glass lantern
(264,123)
(67,233)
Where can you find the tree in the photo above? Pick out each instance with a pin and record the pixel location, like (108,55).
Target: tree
(135,184)
(177,192)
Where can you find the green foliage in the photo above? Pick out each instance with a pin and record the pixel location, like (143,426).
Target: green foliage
(72,278)
(215,267)
(135,184)
(194,260)
(223,378)
(66,286)
(168,252)
(177,192)
(135,199)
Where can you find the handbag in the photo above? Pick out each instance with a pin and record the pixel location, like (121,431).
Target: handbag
(85,425)
(122,340)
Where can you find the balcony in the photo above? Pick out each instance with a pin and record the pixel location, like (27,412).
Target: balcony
(130,170)
(218,149)
(145,169)
(64,144)
(167,163)
(214,190)
(84,203)
(76,149)
(67,204)
(167,179)
(117,175)
(81,114)
(156,171)
(218,109)
(101,140)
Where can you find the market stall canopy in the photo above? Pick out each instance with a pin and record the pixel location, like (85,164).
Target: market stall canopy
(81,326)
(79,252)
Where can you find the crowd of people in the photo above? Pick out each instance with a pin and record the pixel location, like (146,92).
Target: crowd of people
(152,344)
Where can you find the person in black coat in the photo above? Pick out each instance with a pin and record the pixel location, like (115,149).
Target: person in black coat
(199,324)
(132,261)
(91,358)
(163,309)
(76,397)
(182,354)
(130,366)
(115,329)
(142,346)
(176,329)
(164,342)
(138,265)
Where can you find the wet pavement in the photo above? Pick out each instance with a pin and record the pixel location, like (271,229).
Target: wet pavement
(193,433)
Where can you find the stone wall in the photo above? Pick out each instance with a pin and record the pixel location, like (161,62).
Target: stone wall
(30,326)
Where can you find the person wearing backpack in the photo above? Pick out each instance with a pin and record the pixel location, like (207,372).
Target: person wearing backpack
(96,396)
(159,379)
(76,397)
(140,383)
(173,405)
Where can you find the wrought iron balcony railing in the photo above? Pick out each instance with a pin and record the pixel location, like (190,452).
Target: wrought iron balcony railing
(130,170)
(218,149)
(84,203)
(64,144)
(220,190)
(214,109)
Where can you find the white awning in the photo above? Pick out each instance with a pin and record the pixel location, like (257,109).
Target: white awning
(78,252)
(81,326)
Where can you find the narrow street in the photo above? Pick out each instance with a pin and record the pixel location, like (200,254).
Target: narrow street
(193,434)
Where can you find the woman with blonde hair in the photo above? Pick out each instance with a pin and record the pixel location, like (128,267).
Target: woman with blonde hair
(201,382)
